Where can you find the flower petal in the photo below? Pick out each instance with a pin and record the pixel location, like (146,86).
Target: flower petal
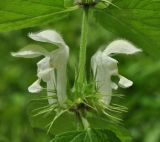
(35,87)
(59,57)
(43,64)
(49,36)
(101,70)
(111,64)
(45,74)
(95,61)
(44,69)
(107,62)
(114,86)
(124,82)
(121,47)
(30,51)
(58,61)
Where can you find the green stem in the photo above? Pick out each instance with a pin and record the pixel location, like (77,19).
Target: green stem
(84,121)
(83,45)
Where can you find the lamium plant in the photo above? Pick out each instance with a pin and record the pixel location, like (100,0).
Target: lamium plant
(85,111)
(85,96)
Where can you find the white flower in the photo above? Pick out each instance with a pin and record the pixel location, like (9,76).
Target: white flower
(52,68)
(104,67)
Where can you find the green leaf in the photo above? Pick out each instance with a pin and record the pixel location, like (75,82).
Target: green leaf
(17,14)
(68,3)
(65,123)
(100,122)
(91,135)
(134,20)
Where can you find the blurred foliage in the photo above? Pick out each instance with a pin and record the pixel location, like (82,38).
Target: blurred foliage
(143,99)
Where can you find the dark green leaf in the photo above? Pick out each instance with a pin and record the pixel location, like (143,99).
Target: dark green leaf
(92,135)
(136,20)
(100,122)
(65,123)
(69,3)
(16,14)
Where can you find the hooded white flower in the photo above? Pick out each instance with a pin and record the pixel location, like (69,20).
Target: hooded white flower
(104,67)
(52,68)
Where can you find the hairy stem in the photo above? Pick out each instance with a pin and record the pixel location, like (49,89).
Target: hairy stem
(83,45)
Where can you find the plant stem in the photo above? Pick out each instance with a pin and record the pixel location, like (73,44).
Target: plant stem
(84,121)
(83,45)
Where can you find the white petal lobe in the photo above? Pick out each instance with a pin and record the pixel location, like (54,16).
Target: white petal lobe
(35,87)
(30,51)
(114,86)
(124,82)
